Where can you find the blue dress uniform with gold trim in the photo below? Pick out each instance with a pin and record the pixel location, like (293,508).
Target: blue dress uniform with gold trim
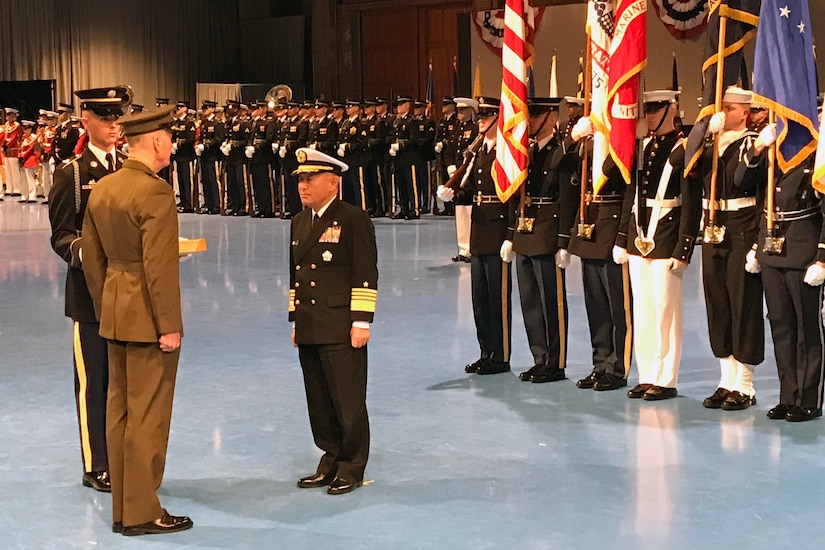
(183,136)
(405,158)
(263,131)
(550,206)
(212,133)
(333,284)
(73,182)
(238,131)
(794,306)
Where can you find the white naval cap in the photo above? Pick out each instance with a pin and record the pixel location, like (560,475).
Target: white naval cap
(10,110)
(572,100)
(311,161)
(734,94)
(660,96)
(466,103)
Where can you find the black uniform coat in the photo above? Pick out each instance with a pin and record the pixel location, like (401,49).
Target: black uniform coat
(67,206)
(334,274)
(65,140)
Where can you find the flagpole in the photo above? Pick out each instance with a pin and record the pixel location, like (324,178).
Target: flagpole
(773,245)
(585,230)
(714,234)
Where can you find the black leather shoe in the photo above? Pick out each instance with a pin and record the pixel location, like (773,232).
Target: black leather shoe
(342,485)
(117,527)
(398,216)
(610,382)
(738,401)
(458,258)
(412,217)
(657,393)
(801,414)
(164,524)
(493,367)
(779,412)
(99,481)
(472,368)
(715,401)
(465,259)
(316,480)
(638,391)
(589,381)
(526,375)
(547,374)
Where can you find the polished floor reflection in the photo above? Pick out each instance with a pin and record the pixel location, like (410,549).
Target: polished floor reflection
(457,461)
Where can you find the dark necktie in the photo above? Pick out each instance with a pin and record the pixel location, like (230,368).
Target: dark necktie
(315,219)
(111,162)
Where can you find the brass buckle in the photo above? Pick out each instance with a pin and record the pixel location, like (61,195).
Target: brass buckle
(478,199)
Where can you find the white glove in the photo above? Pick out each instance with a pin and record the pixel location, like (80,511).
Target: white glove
(282,153)
(125,149)
(199,149)
(752,264)
(767,136)
(445,193)
(226,149)
(717,122)
(620,255)
(342,149)
(815,275)
(174,148)
(393,152)
(439,147)
(250,151)
(676,265)
(451,169)
(275,147)
(562,258)
(395,147)
(582,129)
(313,146)
(506,252)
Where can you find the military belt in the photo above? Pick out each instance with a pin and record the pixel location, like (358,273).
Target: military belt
(793,215)
(730,205)
(235,142)
(258,141)
(606,199)
(541,201)
(663,203)
(486,199)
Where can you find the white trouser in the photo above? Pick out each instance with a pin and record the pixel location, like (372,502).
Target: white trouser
(657,316)
(47,175)
(462,228)
(13,175)
(28,187)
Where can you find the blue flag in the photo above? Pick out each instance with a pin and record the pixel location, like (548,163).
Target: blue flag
(784,77)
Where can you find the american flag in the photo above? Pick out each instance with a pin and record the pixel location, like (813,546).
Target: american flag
(510,169)
(600,27)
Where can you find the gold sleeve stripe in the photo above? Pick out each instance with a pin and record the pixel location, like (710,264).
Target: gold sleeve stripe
(364,292)
(363,299)
(362,305)
(291,301)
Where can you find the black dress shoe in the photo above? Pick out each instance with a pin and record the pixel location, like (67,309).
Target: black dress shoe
(465,259)
(412,217)
(164,524)
(240,213)
(341,485)
(117,527)
(526,375)
(457,258)
(638,391)
(547,374)
(99,481)
(472,368)
(610,382)
(801,414)
(779,412)
(658,393)
(588,382)
(493,367)
(215,211)
(316,480)
(738,401)
(398,216)
(715,401)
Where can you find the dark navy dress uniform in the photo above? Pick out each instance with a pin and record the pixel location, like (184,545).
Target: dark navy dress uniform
(550,202)
(294,134)
(260,166)
(333,282)
(212,135)
(406,137)
(237,192)
(183,136)
(353,139)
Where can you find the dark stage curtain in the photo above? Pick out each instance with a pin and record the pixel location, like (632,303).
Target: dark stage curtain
(159,47)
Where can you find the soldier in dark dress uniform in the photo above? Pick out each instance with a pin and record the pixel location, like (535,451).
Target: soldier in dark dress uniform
(404,151)
(183,155)
(67,134)
(446,134)
(793,275)
(660,219)
(234,145)
(353,148)
(260,155)
(74,180)
(544,216)
(323,130)
(208,148)
(466,134)
(606,284)
(374,157)
(294,132)
(386,120)
(492,225)
(426,154)
(333,292)
(733,295)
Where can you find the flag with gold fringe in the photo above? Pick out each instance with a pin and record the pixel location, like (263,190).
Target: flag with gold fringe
(600,27)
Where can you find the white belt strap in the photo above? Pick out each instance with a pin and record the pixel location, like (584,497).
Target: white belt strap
(730,205)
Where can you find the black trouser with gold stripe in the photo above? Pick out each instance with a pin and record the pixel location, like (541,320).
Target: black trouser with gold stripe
(492,309)
(91,383)
(210,170)
(795,314)
(355,187)
(406,182)
(543,297)
(236,192)
(263,187)
(184,169)
(607,299)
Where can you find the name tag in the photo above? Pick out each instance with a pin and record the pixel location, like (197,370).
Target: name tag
(331,235)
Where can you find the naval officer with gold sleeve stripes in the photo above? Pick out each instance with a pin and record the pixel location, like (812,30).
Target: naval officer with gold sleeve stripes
(333,290)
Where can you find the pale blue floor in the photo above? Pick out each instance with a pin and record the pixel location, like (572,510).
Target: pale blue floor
(457,461)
